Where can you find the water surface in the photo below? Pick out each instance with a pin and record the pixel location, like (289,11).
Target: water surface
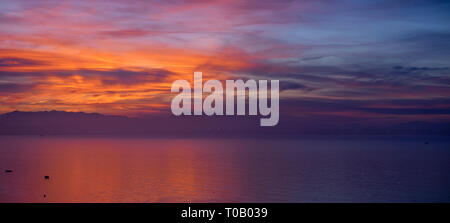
(319,169)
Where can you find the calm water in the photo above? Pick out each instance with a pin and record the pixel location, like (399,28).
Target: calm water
(223,170)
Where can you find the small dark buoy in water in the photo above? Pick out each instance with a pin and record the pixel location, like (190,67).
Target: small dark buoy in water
(8,171)
(46,177)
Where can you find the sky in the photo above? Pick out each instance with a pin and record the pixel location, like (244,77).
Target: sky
(386,61)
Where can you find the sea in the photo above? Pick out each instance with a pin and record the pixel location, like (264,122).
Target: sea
(303,169)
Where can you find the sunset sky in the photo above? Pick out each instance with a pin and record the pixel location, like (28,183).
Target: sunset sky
(376,59)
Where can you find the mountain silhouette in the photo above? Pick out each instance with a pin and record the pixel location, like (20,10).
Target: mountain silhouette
(63,123)
(168,125)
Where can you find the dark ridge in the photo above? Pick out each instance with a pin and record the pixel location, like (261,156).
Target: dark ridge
(167,125)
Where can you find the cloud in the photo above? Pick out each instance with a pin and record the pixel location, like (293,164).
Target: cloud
(124,33)
(8,88)
(409,69)
(18,62)
(409,111)
(352,58)
(285,85)
(127,77)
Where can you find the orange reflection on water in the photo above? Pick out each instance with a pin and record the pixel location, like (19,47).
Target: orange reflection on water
(115,170)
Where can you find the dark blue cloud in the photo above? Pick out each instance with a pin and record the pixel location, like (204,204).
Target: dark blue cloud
(409,111)
(18,62)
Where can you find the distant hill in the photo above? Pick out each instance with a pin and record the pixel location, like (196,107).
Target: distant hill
(80,123)
(59,122)
(63,123)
